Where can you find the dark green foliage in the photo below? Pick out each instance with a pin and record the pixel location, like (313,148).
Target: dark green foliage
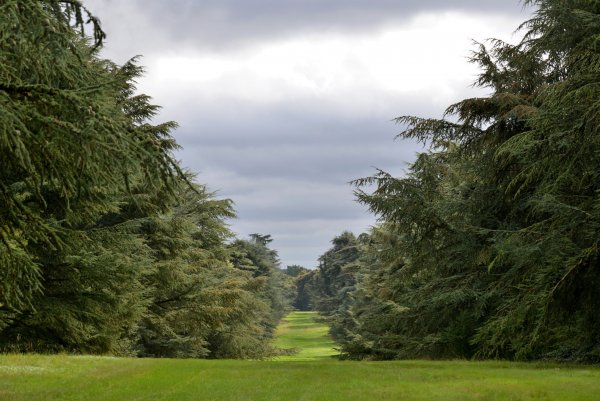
(190,262)
(295,270)
(296,291)
(256,257)
(73,140)
(105,245)
(332,285)
(303,295)
(490,243)
(202,304)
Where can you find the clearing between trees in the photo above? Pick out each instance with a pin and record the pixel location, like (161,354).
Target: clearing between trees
(302,333)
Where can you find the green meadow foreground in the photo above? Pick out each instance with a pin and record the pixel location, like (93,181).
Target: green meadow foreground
(313,376)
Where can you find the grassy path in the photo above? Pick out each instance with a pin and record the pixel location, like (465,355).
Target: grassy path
(300,331)
(311,375)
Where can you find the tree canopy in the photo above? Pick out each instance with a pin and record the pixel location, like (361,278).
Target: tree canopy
(106,245)
(488,246)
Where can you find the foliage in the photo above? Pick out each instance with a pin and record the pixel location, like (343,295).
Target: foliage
(295,270)
(489,246)
(296,287)
(332,284)
(189,299)
(105,244)
(303,295)
(255,257)
(75,140)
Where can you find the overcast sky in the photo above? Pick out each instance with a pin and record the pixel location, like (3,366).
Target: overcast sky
(282,102)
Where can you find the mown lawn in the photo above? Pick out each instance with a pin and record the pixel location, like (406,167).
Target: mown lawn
(35,377)
(301,332)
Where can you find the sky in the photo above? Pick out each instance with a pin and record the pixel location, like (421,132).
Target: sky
(282,103)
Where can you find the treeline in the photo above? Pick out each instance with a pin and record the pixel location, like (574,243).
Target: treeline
(489,246)
(106,245)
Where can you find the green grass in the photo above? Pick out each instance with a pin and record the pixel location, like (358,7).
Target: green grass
(72,378)
(301,332)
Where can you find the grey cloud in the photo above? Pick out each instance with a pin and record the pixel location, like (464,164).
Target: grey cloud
(298,193)
(220,21)
(323,164)
(307,126)
(285,165)
(300,201)
(220,24)
(340,156)
(295,125)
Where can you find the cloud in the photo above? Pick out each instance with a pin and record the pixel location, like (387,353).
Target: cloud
(281,103)
(220,24)
(290,179)
(291,145)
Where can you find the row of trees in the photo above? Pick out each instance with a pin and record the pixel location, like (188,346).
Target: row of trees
(106,245)
(489,246)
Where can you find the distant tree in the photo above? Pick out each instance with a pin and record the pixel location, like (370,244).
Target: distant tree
(304,283)
(297,291)
(262,263)
(333,274)
(295,270)
(334,281)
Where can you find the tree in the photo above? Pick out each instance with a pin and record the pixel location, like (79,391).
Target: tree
(303,300)
(106,246)
(495,230)
(333,283)
(77,152)
(295,287)
(256,257)
(186,285)
(295,270)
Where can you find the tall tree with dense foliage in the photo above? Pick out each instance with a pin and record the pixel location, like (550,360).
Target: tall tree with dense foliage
(105,245)
(187,285)
(75,141)
(490,243)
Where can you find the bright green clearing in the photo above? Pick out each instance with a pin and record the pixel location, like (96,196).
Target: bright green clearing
(318,378)
(301,332)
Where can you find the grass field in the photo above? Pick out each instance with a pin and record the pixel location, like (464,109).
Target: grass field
(299,331)
(71,378)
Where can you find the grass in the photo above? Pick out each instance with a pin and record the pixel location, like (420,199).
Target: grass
(310,339)
(316,378)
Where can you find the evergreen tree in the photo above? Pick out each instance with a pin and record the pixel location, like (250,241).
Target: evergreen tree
(105,246)
(295,270)
(256,257)
(304,290)
(333,283)
(489,245)
(76,149)
(190,264)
